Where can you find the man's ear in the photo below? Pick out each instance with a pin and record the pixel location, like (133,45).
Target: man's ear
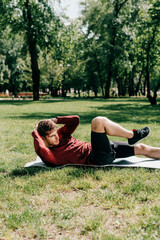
(45,141)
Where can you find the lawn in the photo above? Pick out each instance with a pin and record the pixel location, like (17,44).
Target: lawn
(76,203)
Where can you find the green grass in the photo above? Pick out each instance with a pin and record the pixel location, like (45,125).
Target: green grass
(76,203)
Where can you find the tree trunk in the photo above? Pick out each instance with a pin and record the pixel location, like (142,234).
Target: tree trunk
(117,7)
(109,77)
(151,99)
(31,38)
(131,85)
(64,91)
(95,93)
(144,88)
(147,75)
(110,63)
(54,92)
(139,82)
(35,72)
(99,74)
(79,93)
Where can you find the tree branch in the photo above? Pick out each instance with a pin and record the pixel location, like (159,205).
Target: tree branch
(121,5)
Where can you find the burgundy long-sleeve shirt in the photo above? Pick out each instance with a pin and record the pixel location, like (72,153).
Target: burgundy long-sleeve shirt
(69,149)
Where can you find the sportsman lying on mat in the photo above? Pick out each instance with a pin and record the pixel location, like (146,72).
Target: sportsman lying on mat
(58,147)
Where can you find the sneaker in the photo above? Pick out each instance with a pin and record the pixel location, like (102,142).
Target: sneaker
(138,135)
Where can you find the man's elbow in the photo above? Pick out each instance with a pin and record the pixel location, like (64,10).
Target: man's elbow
(77,119)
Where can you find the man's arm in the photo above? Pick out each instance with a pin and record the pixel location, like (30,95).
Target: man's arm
(70,124)
(42,151)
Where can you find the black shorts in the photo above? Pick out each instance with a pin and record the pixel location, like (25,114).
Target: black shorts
(104,152)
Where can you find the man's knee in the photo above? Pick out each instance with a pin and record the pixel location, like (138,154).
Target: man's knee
(97,121)
(98,124)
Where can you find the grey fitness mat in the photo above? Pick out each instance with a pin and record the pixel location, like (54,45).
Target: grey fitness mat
(119,162)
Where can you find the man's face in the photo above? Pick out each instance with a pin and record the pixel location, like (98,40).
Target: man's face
(51,138)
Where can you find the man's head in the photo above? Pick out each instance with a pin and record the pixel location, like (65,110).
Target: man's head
(47,129)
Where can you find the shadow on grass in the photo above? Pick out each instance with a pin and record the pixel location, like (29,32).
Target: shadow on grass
(131,110)
(130,113)
(28,102)
(27,171)
(74,171)
(117,112)
(69,99)
(48,101)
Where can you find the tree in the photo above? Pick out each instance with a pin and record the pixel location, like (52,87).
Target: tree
(93,65)
(69,57)
(5,74)
(36,20)
(107,29)
(149,32)
(51,72)
(10,50)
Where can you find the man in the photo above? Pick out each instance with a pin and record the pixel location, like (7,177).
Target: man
(58,147)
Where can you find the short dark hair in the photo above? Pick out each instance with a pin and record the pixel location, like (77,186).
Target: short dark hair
(45,126)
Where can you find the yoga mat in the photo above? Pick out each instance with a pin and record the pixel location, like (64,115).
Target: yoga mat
(119,162)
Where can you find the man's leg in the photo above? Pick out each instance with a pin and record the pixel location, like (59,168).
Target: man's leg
(102,151)
(147,151)
(103,124)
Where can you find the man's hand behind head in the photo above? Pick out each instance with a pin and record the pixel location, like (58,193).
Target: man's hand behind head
(54,120)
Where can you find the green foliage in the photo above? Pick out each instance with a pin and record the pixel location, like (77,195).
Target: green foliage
(123,31)
(10,49)
(37,23)
(114,45)
(25,74)
(5,73)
